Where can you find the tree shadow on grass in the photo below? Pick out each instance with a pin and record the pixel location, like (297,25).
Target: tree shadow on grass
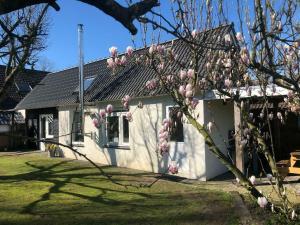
(60,177)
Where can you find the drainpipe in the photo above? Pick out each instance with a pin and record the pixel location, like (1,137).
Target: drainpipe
(81,80)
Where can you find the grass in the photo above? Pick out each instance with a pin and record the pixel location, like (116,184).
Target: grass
(37,190)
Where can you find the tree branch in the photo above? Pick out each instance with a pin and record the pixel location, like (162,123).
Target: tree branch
(124,15)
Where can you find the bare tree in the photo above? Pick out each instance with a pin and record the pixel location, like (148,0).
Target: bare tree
(23,35)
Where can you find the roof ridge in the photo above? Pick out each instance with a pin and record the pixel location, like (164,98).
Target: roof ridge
(137,49)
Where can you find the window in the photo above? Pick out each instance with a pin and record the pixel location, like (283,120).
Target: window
(76,128)
(176,128)
(23,87)
(86,84)
(46,126)
(117,129)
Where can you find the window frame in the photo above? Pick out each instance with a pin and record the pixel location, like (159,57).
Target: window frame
(168,117)
(75,142)
(120,115)
(46,116)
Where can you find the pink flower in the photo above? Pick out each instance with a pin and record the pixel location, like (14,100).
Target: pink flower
(110,63)
(239,36)
(173,168)
(126,98)
(191,73)
(113,51)
(262,202)
(102,113)
(129,116)
(109,108)
(160,49)
(195,102)
(123,60)
(227,83)
(96,123)
(181,90)
(182,74)
(208,66)
(189,87)
(252,179)
(170,79)
(227,39)
(129,51)
(189,94)
(152,49)
(194,33)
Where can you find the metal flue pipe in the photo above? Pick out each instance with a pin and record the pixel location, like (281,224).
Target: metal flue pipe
(81,79)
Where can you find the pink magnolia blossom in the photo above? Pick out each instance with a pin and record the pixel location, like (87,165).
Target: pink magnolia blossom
(151,84)
(252,179)
(181,90)
(129,51)
(123,60)
(102,113)
(173,168)
(227,83)
(152,49)
(189,94)
(191,73)
(129,116)
(194,103)
(113,51)
(194,33)
(239,36)
(160,49)
(109,108)
(111,63)
(182,74)
(127,98)
(96,123)
(170,79)
(262,202)
(227,39)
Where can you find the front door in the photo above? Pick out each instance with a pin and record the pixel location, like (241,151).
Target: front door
(46,128)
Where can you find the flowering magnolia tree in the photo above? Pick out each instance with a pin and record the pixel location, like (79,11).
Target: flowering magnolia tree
(264,52)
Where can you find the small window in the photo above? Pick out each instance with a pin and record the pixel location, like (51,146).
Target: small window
(23,87)
(77,133)
(125,130)
(86,84)
(113,129)
(176,128)
(117,129)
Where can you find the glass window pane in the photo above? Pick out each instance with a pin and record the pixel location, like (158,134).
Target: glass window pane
(113,129)
(76,127)
(125,130)
(176,129)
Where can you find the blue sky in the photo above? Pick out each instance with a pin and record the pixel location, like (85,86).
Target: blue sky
(100,33)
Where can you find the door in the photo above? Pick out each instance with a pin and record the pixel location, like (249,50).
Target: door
(46,128)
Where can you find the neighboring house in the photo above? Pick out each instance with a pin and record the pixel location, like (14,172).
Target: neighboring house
(12,121)
(53,105)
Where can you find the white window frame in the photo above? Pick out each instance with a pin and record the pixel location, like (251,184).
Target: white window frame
(121,142)
(47,135)
(168,117)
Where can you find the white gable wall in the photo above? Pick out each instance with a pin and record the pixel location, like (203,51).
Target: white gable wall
(222,115)
(191,156)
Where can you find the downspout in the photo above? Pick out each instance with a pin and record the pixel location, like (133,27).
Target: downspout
(81,80)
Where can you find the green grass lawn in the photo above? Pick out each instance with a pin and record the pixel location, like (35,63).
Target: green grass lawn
(37,190)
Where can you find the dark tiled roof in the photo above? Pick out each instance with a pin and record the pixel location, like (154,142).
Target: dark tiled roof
(5,118)
(57,89)
(14,96)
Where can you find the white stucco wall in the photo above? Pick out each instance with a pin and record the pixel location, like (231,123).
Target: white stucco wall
(194,161)
(222,115)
